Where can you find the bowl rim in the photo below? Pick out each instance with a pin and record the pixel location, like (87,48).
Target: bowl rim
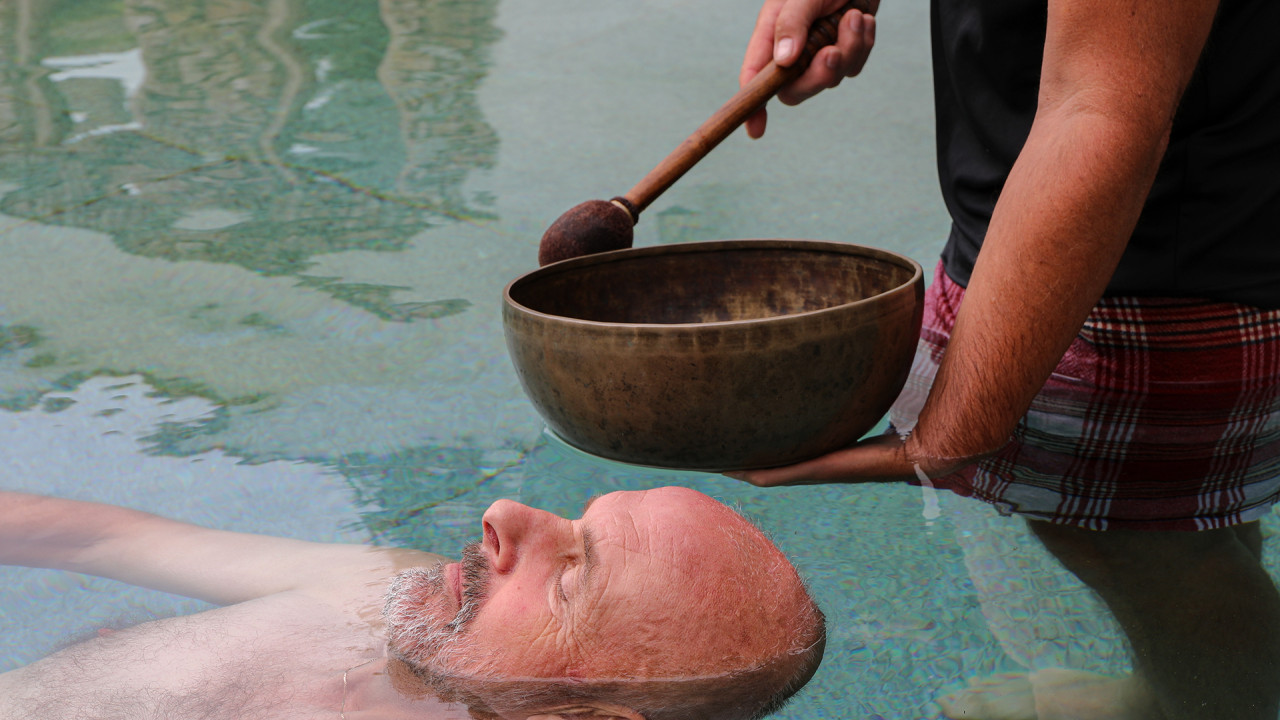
(845,248)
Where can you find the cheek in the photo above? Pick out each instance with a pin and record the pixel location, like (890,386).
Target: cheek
(510,609)
(535,591)
(516,628)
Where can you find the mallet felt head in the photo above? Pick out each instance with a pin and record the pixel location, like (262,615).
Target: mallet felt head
(590,227)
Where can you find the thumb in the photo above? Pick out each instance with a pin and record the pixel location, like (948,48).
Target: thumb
(791,30)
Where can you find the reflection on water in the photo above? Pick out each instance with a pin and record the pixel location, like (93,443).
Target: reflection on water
(90,443)
(256,134)
(252,135)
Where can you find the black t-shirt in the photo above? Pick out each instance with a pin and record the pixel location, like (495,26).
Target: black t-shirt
(1211,225)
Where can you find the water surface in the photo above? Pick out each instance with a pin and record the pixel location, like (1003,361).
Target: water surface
(253,251)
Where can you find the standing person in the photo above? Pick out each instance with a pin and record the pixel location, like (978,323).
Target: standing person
(1109,305)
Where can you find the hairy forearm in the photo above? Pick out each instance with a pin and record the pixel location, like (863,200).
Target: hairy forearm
(1059,229)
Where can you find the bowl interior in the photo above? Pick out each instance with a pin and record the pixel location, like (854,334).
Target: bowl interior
(716,282)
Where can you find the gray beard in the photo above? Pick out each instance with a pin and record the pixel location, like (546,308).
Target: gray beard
(419,634)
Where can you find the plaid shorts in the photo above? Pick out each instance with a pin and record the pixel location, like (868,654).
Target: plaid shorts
(1164,414)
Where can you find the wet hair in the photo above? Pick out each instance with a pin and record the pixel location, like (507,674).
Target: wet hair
(809,658)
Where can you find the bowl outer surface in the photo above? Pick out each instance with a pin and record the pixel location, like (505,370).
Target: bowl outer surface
(721,395)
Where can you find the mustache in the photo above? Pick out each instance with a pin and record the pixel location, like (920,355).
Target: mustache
(476,573)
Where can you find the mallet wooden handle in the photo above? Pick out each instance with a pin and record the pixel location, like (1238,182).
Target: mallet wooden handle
(749,98)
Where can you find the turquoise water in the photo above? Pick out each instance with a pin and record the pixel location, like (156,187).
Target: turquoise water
(251,256)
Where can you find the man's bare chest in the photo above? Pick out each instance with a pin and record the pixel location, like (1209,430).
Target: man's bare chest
(281,658)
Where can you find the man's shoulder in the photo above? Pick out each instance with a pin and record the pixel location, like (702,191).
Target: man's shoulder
(356,574)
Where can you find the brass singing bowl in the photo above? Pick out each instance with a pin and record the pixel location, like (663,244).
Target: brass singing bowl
(716,356)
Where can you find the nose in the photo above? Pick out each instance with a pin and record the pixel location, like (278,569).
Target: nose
(513,531)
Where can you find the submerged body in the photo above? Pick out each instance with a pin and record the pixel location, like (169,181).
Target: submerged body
(614,614)
(281,656)
(278,657)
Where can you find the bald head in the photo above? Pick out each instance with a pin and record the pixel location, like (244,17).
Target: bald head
(719,596)
(663,599)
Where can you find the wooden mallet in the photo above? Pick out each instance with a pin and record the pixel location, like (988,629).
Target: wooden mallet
(599,225)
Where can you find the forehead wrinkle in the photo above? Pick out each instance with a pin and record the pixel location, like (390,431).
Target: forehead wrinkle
(614,544)
(625,546)
(664,563)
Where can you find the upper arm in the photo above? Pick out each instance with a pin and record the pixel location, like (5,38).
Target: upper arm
(226,567)
(150,551)
(1131,59)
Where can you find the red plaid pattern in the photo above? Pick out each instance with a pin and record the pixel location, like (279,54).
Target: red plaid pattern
(1163,415)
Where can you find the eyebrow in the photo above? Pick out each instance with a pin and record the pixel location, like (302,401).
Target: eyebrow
(588,544)
(588,556)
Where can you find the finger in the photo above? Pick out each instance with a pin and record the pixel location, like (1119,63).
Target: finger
(860,45)
(791,29)
(756,124)
(878,459)
(821,75)
(856,37)
(759,53)
(830,65)
(760,45)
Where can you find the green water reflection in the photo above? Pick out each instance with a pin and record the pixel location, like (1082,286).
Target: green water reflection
(260,135)
(252,135)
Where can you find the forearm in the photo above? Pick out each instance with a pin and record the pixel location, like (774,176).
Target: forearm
(150,551)
(1058,232)
(47,532)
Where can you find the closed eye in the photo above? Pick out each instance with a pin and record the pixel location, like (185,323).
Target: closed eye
(560,588)
(586,563)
